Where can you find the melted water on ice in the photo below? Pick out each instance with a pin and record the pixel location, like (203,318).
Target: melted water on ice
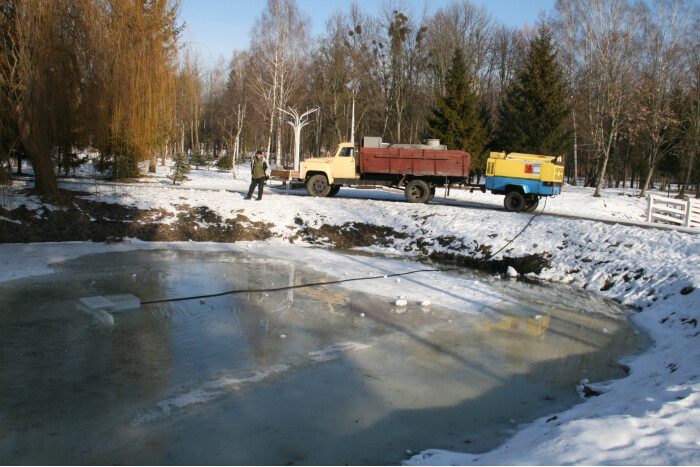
(317,375)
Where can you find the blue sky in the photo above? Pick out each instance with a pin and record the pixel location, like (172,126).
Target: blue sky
(218,27)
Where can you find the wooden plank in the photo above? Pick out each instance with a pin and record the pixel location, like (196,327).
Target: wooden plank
(669,210)
(670,202)
(663,199)
(658,217)
(285,175)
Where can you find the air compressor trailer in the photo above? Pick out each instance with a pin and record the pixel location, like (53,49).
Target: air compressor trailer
(523,178)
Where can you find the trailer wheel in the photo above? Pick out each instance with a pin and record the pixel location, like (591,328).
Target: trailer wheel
(514,202)
(432,193)
(318,185)
(417,191)
(334,190)
(531,203)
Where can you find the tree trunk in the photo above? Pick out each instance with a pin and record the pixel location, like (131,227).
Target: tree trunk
(575,180)
(647,182)
(686,182)
(153,161)
(269,136)
(608,149)
(195,132)
(601,175)
(352,121)
(278,141)
(164,155)
(234,155)
(39,152)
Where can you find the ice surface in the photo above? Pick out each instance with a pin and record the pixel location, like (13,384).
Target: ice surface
(200,378)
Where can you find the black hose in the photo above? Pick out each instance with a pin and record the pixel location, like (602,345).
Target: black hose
(340,281)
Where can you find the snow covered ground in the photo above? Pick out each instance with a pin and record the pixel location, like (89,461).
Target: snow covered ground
(650,417)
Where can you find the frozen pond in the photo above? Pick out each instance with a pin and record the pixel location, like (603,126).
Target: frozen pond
(317,375)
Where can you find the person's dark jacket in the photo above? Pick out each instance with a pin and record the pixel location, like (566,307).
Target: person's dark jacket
(258,168)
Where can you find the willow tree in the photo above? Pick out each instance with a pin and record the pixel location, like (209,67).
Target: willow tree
(80,71)
(135,49)
(9,139)
(40,73)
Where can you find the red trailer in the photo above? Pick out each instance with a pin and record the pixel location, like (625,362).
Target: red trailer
(417,162)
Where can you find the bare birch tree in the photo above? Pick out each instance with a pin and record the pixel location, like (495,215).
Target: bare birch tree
(277,43)
(467,26)
(667,45)
(605,46)
(402,54)
(692,118)
(565,28)
(356,47)
(236,101)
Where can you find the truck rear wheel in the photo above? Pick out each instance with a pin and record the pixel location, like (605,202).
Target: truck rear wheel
(334,190)
(514,202)
(531,203)
(432,193)
(417,191)
(318,185)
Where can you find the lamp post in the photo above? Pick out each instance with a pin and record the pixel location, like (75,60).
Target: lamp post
(298,122)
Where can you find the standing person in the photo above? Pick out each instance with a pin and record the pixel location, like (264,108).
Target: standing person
(258,169)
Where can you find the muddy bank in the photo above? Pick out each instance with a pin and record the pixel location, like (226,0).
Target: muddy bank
(81,219)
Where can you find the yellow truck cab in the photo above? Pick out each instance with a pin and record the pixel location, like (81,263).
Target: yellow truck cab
(341,165)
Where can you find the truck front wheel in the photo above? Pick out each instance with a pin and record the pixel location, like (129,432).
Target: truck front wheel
(417,191)
(334,190)
(318,185)
(514,202)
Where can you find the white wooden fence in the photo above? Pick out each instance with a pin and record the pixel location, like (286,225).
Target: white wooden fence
(679,212)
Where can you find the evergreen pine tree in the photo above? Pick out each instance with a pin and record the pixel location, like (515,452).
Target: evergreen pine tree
(180,168)
(534,112)
(456,118)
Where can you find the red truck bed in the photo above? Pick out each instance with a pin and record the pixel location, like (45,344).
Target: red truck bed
(415,162)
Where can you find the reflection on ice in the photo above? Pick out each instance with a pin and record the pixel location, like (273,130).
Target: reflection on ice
(315,375)
(529,321)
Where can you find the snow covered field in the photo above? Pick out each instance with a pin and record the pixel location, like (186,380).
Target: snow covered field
(650,417)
